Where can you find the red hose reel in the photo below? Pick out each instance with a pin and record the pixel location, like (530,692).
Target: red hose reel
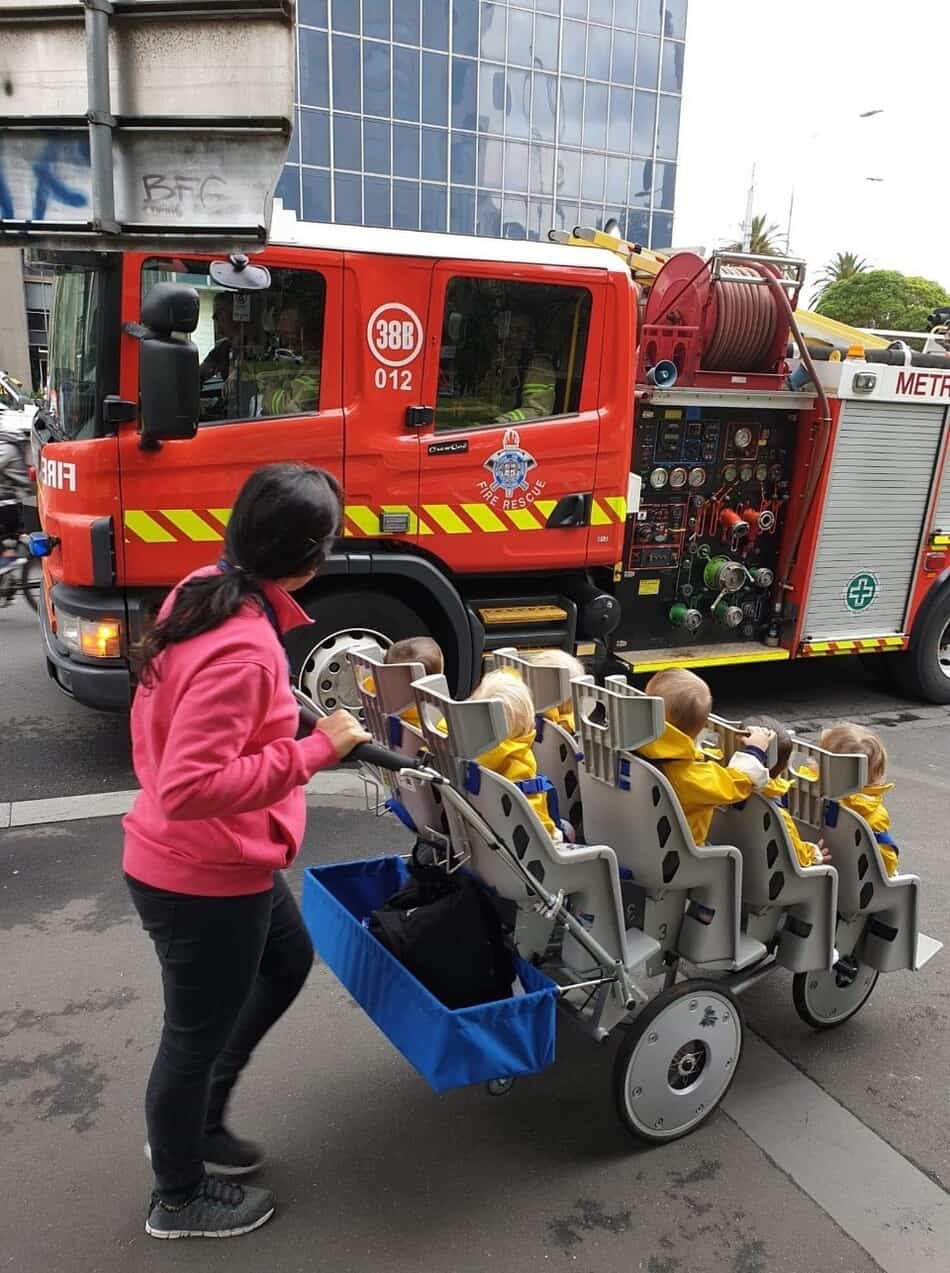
(714,320)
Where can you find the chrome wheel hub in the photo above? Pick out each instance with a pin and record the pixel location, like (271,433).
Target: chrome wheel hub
(326,675)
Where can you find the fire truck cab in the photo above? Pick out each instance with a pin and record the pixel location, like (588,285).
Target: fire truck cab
(540,445)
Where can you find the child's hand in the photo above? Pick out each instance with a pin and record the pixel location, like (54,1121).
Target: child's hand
(344,731)
(758,737)
(822,855)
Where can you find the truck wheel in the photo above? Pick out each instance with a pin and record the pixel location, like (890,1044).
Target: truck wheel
(318,652)
(924,670)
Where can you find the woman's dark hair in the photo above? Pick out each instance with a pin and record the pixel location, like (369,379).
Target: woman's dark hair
(283,523)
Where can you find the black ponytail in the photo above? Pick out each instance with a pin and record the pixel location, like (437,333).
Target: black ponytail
(283,523)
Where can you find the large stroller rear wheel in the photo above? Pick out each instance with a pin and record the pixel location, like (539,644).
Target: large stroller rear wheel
(678,1060)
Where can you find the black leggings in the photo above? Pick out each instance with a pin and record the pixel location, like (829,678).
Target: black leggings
(231,966)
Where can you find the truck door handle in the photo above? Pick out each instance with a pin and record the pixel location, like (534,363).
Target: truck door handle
(419,417)
(570,511)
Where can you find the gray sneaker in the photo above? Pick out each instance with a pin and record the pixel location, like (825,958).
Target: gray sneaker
(219,1209)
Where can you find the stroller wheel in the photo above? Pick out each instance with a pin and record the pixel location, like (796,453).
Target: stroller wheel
(499,1087)
(677,1062)
(829,998)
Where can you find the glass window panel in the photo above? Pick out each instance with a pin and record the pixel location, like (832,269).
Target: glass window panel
(665,185)
(346,73)
(618,122)
(651,16)
(491,156)
(575,8)
(316,195)
(288,190)
(625,14)
(376,98)
(464,88)
(592,179)
(661,232)
(595,116)
(346,16)
(574,48)
(637,226)
(465,27)
(435,24)
(376,19)
(434,208)
(314,76)
(315,138)
(492,94)
(492,40)
(601,10)
(377,194)
(435,154)
(566,215)
(510,350)
(462,211)
(540,219)
(541,170)
(347,145)
(516,166)
(615,191)
(674,21)
(348,196)
(546,41)
(405,83)
(668,128)
(648,62)
(406,205)
(644,123)
(544,118)
(623,60)
(671,72)
(518,117)
(435,88)
(598,53)
(376,145)
(572,111)
(293,151)
(642,182)
(548,6)
(406,150)
(568,174)
(489,215)
(313,13)
(592,216)
(406,23)
(463,159)
(514,218)
(520,26)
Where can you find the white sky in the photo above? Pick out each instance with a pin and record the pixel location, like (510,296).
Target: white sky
(780,83)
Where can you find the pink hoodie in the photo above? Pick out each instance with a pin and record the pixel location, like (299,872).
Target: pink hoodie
(222,803)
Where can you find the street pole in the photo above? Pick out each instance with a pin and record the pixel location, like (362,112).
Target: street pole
(747,224)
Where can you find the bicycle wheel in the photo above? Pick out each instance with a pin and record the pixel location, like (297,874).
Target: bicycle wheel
(31,581)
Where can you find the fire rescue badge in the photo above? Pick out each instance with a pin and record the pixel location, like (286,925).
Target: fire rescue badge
(509,467)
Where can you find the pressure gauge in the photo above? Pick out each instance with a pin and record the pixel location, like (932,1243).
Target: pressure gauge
(761,472)
(745,473)
(697,477)
(743,437)
(678,478)
(659,478)
(730,473)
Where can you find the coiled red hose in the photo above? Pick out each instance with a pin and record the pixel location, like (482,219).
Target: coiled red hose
(746,326)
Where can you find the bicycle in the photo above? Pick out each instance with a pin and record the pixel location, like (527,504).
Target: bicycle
(20,571)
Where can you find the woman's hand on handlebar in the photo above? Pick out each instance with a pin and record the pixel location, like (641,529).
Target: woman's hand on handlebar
(344,731)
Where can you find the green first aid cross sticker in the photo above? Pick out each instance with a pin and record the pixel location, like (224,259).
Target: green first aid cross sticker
(860,592)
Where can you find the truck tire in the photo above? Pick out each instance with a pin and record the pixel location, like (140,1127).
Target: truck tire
(923,671)
(340,620)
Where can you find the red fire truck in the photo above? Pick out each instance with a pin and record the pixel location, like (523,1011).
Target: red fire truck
(540,444)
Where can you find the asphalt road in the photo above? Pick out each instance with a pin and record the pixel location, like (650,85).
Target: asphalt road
(374,1171)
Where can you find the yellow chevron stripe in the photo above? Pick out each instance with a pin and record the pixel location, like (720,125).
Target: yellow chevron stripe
(416,525)
(147,528)
(191,525)
(483,517)
(222,515)
(545,507)
(939,541)
(597,515)
(447,519)
(364,518)
(618,506)
(523,519)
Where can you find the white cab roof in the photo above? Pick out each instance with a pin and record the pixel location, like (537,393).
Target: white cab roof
(286,230)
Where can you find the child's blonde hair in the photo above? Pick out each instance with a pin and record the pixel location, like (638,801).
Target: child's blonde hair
(559,658)
(421,649)
(846,737)
(515,697)
(686,697)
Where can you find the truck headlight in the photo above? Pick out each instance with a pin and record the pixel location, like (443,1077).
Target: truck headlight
(94,638)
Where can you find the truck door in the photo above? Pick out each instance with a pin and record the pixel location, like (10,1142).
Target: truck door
(270,390)
(508,460)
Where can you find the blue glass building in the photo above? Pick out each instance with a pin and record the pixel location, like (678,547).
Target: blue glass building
(488,118)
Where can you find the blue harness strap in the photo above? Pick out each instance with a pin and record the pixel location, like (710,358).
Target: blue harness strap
(473,778)
(395,731)
(397,807)
(831,813)
(542,786)
(885,837)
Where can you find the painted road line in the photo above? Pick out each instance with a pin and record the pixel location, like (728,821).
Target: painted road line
(338,789)
(889,1207)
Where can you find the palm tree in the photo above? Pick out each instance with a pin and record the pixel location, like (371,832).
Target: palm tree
(761,241)
(843,265)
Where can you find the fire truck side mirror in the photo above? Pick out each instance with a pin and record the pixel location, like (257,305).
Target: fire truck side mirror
(169,378)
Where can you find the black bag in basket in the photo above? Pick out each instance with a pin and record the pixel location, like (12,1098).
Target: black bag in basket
(446,931)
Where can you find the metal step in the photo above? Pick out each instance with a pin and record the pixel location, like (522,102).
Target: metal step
(721,654)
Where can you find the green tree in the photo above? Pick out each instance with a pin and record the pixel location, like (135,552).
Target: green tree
(883,298)
(762,239)
(843,265)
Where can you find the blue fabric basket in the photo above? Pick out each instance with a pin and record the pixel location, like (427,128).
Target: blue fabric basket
(449,1048)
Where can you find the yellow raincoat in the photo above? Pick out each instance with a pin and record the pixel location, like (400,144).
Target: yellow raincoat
(513,759)
(869,803)
(807,853)
(701,785)
(563,716)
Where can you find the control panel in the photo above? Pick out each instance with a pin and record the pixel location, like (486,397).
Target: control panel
(700,553)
